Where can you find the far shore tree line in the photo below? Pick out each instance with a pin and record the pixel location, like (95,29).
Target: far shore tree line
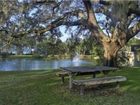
(51,45)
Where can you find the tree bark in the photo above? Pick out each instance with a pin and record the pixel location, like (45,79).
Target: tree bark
(110,53)
(111,44)
(19,50)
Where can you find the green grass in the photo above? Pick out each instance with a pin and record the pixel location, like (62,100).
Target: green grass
(35,56)
(45,88)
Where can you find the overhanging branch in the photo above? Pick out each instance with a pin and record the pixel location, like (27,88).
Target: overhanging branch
(133,31)
(51,26)
(92,22)
(62,20)
(134,11)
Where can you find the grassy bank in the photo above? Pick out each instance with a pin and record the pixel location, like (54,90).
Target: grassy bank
(45,88)
(53,57)
(49,57)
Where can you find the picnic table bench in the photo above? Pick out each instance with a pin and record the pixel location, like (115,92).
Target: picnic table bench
(62,74)
(82,84)
(84,70)
(97,81)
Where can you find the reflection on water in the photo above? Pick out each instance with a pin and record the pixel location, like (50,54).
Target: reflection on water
(34,64)
(76,60)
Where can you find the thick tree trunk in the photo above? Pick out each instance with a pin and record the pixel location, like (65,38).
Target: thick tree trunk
(111,44)
(110,53)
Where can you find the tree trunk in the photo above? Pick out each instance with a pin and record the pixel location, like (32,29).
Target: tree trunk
(19,50)
(110,53)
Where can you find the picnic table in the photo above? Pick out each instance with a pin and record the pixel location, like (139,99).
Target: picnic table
(85,70)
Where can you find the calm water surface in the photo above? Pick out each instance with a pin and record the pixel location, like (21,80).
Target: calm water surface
(38,64)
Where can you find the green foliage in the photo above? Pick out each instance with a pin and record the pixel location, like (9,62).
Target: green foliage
(134,41)
(73,45)
(120,8)
(51,46)
(122,57)
(90,47)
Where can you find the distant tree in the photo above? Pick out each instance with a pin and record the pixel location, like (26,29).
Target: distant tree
(73,45)
(51,46)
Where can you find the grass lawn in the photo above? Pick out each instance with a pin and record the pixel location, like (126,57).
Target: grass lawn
(45,88)
(49,57)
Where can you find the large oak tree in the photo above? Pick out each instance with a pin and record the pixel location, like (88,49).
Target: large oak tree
(118,24)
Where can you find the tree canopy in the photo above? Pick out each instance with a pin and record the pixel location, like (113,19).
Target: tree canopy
(111,23)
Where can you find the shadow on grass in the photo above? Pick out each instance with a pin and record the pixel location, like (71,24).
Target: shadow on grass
(133,77)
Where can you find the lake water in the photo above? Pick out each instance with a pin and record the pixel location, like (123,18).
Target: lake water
(38,64)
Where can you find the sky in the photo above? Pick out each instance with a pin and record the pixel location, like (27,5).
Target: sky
(65,34)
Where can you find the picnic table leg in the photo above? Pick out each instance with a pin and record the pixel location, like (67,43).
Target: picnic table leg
(81,90)
(118,85)
(94,75)
(63,79)
(106,72)
(70,80)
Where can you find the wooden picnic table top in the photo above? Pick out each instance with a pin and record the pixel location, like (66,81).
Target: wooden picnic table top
(88,69)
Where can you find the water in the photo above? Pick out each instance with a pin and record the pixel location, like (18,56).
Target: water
(76,58)
(38,64)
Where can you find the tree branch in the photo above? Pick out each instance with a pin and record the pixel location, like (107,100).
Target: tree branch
(58,22)
(107,2)
(134,11)
(92,23)
(44,2)
(62,20)
(133,31)
(130,19)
